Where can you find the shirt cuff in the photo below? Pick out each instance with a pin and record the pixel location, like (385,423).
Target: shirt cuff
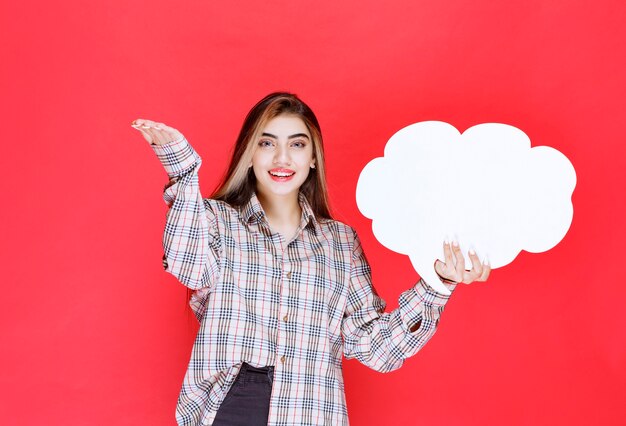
(432,297)
(422,303)
(177,157)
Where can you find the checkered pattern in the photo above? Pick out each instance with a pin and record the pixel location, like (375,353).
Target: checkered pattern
(297,305)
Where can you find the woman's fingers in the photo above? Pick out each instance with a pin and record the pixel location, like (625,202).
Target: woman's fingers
(157,133)
(146,136)
(460,261)
(454,266)
(477,268)
(171,132)
(161,138)
(152,128)
(446,270)
(452,269)
(141,125)
(486,271)
(440,268)
(447,253)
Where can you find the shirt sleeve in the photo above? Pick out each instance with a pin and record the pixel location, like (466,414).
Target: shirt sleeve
(383,340)
(191,240)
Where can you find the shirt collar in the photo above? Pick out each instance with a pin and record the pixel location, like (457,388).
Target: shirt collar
(308,216)
(253,210)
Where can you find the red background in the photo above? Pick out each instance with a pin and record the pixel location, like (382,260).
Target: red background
(94,332)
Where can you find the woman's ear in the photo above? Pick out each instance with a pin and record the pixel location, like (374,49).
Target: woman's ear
(313,163)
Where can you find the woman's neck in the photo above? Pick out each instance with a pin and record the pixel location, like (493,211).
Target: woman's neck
(283,213)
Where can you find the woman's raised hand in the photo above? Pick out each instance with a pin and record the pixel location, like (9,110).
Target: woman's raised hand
(454,267)
(156,133)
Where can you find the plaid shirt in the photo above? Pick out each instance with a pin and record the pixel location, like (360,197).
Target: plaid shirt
(297,305)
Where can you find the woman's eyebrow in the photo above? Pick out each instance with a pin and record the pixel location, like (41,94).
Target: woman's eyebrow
(297,135)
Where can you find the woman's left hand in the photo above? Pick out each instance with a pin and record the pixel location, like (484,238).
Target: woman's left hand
(454,267)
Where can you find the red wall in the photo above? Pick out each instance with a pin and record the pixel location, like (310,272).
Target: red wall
(94,332)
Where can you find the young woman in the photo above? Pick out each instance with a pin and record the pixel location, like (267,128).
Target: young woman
(281,290)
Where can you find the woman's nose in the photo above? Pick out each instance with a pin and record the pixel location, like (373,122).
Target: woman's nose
(281,155)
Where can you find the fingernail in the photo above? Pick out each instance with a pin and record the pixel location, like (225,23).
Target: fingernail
(486,262)
(455,243)
(472,252)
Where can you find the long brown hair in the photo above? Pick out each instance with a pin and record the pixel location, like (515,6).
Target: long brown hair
(239,182)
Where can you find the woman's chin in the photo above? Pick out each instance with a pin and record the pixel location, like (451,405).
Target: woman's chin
(278,190)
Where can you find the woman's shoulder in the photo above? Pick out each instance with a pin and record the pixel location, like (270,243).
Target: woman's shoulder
(337,229)
(228,213)
(221,210)
(217,204)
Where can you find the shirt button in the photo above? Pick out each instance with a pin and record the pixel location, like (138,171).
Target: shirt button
(282,359)
(285,318)
(289,275)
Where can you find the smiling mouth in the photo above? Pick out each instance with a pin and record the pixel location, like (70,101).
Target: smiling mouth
(281,175)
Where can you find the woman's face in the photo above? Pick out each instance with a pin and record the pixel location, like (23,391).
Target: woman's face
(283,156)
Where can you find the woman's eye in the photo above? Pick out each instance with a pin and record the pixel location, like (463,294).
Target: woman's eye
(298,144)
(265,143)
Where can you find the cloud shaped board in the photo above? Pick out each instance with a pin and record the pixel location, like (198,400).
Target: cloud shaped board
(486,188)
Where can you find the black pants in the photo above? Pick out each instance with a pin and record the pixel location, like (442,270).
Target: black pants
(248,400)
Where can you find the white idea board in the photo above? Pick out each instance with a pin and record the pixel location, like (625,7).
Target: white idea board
(487,188)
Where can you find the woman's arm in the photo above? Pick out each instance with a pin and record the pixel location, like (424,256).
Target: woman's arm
(191,242)
(383,340)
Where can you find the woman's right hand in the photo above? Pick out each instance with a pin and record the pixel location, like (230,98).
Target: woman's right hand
(156,133)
